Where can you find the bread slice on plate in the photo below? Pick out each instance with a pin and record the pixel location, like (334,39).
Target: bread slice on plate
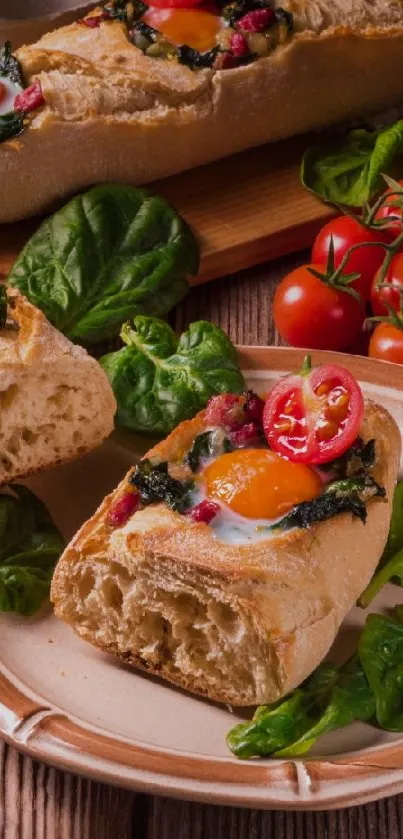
(55,400)
(239,623)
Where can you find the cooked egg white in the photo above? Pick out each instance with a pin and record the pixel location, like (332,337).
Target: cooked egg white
(8,92)
(235,529)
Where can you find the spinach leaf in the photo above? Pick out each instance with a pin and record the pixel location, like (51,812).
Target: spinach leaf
(10,125)
(347,170)
(107,255)
(209,444)
(395,538)
(392,571)
(30,546)
(359,458)
(158,380)
(349,699)
(10,67)
(348,495)
(331,698)
(380,649)
(155,484)
(390,568)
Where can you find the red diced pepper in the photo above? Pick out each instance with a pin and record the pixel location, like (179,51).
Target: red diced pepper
(257,21)
(121,511)
(204,512)
(253,407)
(92,22)
(30,99)
(225,411)
(249,435)
(239,45)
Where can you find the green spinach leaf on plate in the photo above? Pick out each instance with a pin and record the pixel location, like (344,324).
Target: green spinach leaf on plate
(380,649)
(106,256)
(390,568)
(160,380)
(348,169)
(30,545)
(331,698)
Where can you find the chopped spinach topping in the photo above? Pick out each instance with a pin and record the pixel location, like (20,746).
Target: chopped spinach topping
(9,66)
(357,459)
(148,31)
(286,18)
(10,125)
(208,444)
(125,10)
(197,60)
(155,485)
(201,448)
(348,495)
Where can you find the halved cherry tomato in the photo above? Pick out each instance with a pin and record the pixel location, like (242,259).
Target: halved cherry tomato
(387,343)
(391,209)
(390,293)
(195,27)
(314,416)
(308,313)
(365,261)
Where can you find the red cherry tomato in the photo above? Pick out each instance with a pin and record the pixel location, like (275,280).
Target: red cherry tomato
(388,211)
(391,293)
(387,343)
(365,261)
(309,313)
(313,417)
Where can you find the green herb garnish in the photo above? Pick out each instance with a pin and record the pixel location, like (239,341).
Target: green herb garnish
(156,485)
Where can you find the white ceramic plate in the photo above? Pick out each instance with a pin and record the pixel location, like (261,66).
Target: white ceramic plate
(66,703)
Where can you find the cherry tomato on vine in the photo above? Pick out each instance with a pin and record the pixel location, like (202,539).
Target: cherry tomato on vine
(309,313)
(391,289)
(387,211)
(386,343)
(315,415)
(365,261)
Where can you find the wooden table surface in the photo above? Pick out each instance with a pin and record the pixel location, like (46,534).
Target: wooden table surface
(38,802)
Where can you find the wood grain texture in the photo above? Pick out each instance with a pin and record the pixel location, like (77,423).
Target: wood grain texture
(245,209)
(37,802)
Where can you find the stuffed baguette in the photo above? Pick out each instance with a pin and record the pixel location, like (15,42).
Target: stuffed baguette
(104,109)
(238,623)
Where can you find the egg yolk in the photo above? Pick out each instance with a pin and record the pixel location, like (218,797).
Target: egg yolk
(195,27)
(260,484)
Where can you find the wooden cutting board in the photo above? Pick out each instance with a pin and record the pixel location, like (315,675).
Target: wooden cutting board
(246,209)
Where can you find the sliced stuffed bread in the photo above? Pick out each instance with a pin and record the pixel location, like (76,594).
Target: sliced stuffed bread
(56,402)
(223,567)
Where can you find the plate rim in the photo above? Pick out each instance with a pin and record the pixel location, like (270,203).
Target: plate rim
(41,731)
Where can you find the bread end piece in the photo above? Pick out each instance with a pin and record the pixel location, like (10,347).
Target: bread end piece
(238,624)
(55,400)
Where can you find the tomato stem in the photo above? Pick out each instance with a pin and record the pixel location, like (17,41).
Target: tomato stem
(306,367)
